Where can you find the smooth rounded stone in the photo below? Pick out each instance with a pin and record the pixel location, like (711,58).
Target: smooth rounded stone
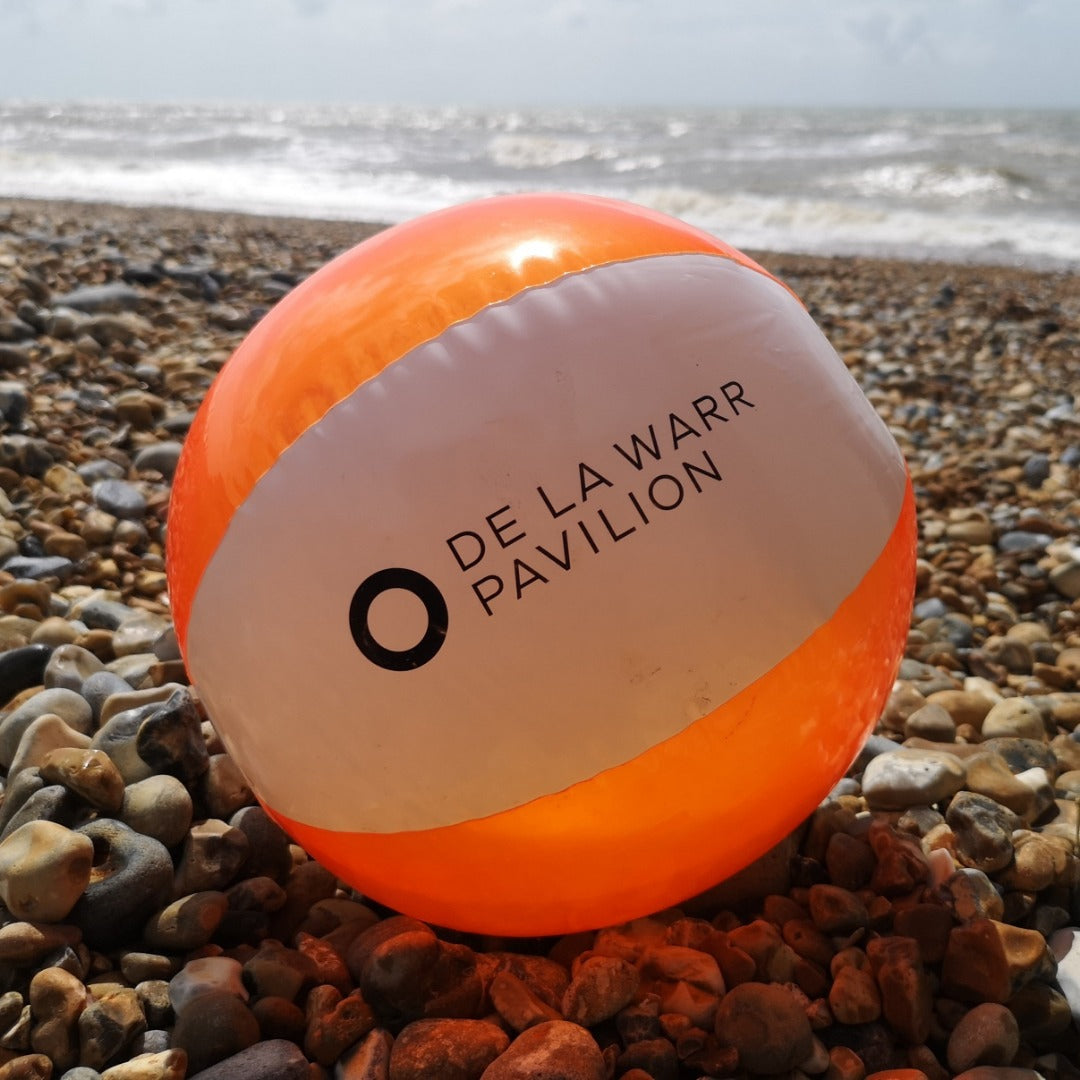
(113,296)
(118,738)
(24,942)
(27,1067)
(462,1049)
(138,966)
(44,869)
(133,874)
(987,960)
(257,894)
(225,788)
(119,498)
(81,1072)
(904,778)
(108,1025)
(854,997)
(159,807)
(929,925)
(1022,542)
(932,722)
(206,975)
(57,998)
(166,1064)
(53,631)
(983,829)
(37,567)
(278,971)
(766,1024)
(212,857)
(171,740)
(964,706)
(599,988)
(187,923)
(556,1050)
(334,1023)
(849,860)
(269,846)
(688,982)
(1065,948)
(368,1060)
(987,1035)
(213,1028)
(1065,579)
(99,688)
(16,793)
(98,612)
(45,734)
(167,647)
(989,775)
(139,633)
(67,704)
(1022,754)
(162,457)
(69,667)
(1014,718)
(22,668)
(13,401)
(123,698)
(52,802)
(280,1019)
(90,774)
(275,1059)
(837,911)
(134,669)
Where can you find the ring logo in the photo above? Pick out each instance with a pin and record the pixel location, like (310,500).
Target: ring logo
(438,618)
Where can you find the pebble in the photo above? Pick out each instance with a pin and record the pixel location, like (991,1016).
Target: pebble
(275,1059)
(458,1048)
(766,1025)
(44,869)
(904,778)
(600,987)
(159,807)
(206,975)
(186,923)
(86,773)
(557,1049)
(1014,718)
(213,1027)
(986,1035)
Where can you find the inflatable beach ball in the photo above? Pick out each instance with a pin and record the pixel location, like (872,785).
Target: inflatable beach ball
(540,563)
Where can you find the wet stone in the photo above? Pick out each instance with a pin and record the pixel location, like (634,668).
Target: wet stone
(170,739)
(86,773)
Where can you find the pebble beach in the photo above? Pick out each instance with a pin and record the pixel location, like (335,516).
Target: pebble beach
(155,924)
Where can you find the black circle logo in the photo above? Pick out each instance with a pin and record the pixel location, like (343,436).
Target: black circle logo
(437,615)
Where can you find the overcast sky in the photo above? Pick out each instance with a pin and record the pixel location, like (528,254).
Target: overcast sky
(995,53)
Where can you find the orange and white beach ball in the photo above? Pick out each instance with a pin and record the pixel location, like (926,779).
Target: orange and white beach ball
(540,563)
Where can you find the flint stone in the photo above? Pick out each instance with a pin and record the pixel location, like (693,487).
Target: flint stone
(45,734)
(114,296)
(19,670)
(335,1022)
(161,457)
(44,869)
(906,777)
(213,1028)
(206,975)
(461,1049)
(57,998)
(211,858)
(983,830)
(187,923)
(517,1004)
(987,1035)
(988,960)
(159,807)
(275,1059)
(69,667)
(767,1026)
(599,988)
(35,568)
(120,498)
(86,773)
(132,875)
(164,1064)
(108,1025)
(170,738)
(27,942)
(556,1050)
(67,704)
(368,1060)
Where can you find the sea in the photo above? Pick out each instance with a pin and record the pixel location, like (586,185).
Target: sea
(980,186)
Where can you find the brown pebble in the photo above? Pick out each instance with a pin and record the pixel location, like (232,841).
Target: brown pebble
(767,1026)
(987,1035)
(517,1004)
(557,1048)
(461,1049)
(599,988)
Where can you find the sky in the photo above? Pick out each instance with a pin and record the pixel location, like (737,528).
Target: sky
(880,53)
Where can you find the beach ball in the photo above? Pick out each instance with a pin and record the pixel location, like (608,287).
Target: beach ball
(540,563)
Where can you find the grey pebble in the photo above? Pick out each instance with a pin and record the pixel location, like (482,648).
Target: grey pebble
(159,806)
(66,704)
(276,1059)
(37,567)
(133,875)
(69,667)
(119,498)
(114,296)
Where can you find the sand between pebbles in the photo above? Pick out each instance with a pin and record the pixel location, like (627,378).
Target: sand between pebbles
(155,924)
